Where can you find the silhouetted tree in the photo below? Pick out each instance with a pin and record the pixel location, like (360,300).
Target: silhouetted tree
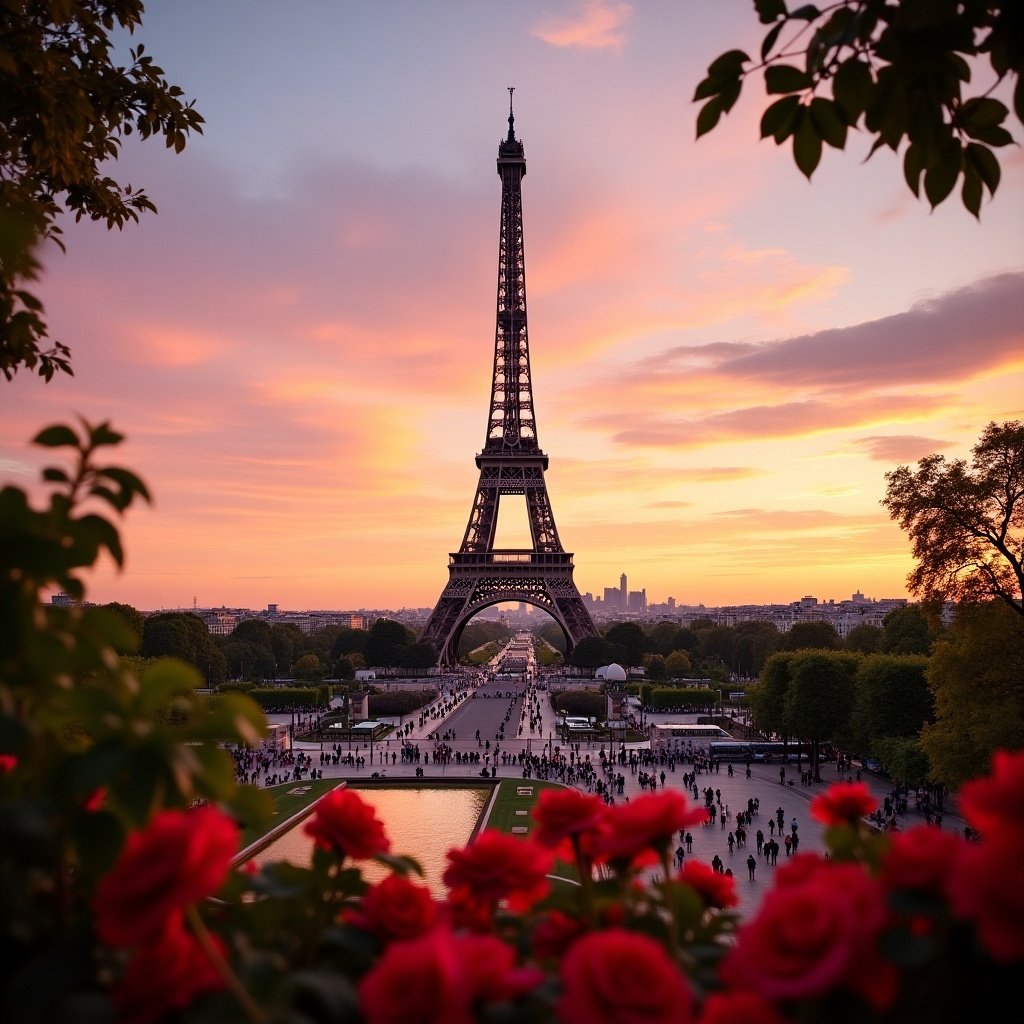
(966,523)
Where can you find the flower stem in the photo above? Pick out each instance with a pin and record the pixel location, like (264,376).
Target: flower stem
(670,903)
(202,934)
(585,869)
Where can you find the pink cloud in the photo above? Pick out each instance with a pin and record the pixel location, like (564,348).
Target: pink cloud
(597,25)
(898,447)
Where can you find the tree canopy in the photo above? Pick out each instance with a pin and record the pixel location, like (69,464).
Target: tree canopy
(975,674)
(966,523)
(897,69)
(65,109)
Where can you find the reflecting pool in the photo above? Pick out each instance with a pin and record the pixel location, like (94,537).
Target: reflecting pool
(422,822)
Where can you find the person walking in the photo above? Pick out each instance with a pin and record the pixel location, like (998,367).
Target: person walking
(689,842)
(789,845)
(760,841)
(731,841)
(751,866)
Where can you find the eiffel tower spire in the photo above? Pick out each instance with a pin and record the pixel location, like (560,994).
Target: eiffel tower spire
(510,463)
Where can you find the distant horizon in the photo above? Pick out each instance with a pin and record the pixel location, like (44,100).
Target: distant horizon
(535,609)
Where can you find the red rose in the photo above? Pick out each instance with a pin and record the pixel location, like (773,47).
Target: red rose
(497,867)
(843,803)
(622,977)
(440,978)
(800,868)
(179,858)
(641,830)
(8,762)
(397,908)
(714,889)
(553,933)
(740,1008)
(344,823)
(994,805)
(982,888)
(163,977)
(809,938)
(563,813)
(921,858)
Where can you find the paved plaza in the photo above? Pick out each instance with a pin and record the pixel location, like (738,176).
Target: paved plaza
(789,799)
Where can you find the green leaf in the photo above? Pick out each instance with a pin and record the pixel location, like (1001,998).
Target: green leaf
(101,434)
(913,167)
(779,119)
(128,481)
(770,10)
(708,87)
(983,160)
(992,136)
(728,65)
(806,13)
(852,87)
(940,178)
(982,112)
(55,475)
(729,95)
(806,147)
(1018,98)
(57,436)
(827,121)
(785,78)
(708,116)
(971,191)
(770,40)
(101,532)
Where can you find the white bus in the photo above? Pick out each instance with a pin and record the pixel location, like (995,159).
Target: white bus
(681,737)
(576,724)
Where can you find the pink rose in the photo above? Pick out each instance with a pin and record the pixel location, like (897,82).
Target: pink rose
(622,977)
(343,822)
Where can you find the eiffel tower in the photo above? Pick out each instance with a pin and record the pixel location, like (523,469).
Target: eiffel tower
(511,462)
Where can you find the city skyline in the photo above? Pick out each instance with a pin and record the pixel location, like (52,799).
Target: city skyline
(726,358)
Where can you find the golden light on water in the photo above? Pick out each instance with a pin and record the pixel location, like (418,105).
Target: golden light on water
(424,823)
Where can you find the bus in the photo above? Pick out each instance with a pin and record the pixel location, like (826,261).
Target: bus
(760,750)
(730,750)
(683,736)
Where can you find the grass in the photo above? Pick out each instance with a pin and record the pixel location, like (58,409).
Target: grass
(290,799)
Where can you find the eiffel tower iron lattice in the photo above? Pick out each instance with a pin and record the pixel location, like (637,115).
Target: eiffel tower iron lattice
(511,463)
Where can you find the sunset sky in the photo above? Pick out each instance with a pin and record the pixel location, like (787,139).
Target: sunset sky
(726,358)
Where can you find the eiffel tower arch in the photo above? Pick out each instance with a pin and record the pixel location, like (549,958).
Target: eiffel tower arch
(510,463)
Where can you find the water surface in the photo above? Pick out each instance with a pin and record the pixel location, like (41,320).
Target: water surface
(422,822)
